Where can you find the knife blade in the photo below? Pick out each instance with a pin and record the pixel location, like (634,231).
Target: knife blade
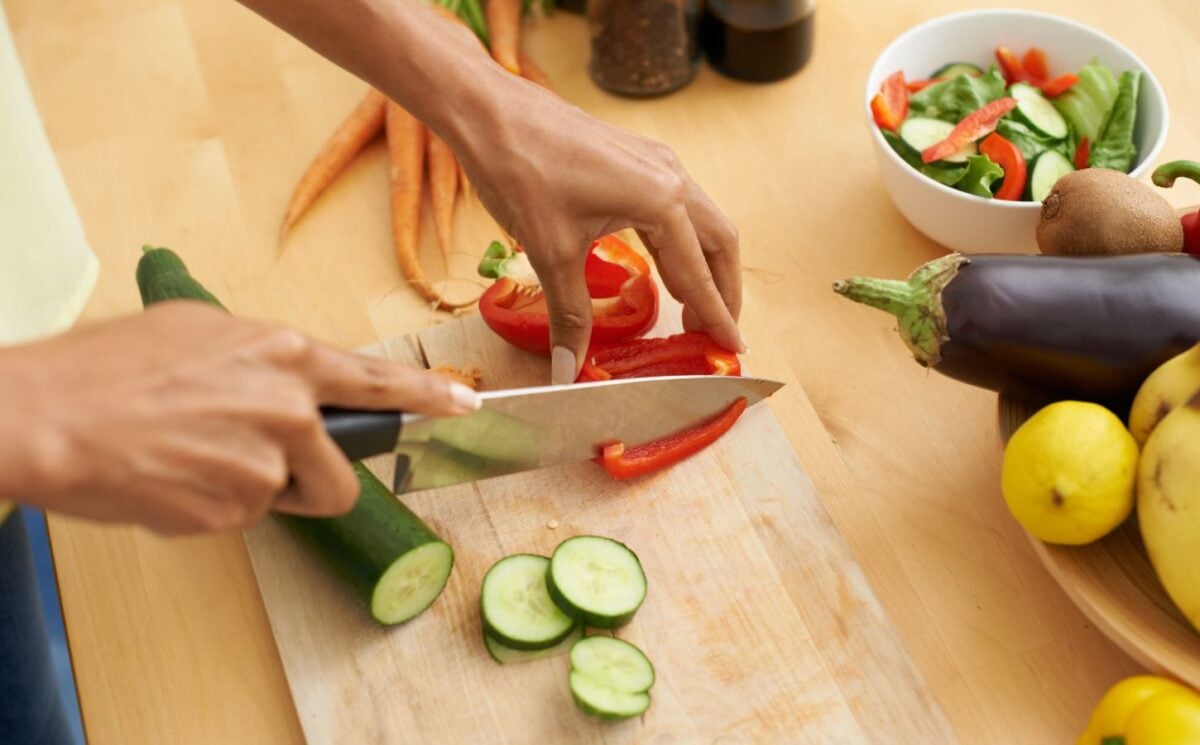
(524,429)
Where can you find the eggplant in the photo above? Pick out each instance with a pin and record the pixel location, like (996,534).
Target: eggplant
(1089,327)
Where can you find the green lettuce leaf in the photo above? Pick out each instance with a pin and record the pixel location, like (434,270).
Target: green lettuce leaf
(1115,149)
(981,172)
(1032,143)
(953,99)
(1086,105)
(941,171)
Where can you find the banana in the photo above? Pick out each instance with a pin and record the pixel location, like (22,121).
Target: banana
(1174,382)
(1168,504)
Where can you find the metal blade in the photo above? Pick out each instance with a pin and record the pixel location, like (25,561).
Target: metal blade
(529,428)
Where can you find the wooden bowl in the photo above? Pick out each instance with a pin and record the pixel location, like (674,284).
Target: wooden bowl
(1114,584)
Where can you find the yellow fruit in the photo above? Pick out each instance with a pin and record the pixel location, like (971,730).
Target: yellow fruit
(1173,384)
(1069,473)
(1169,506)
(1167,719)
(1112,713)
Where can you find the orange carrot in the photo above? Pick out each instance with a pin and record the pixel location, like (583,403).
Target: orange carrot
(363,125)
(533,73)
(406,151)
(443,188)
(504,32)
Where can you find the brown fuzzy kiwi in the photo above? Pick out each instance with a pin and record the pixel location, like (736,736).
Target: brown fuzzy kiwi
(1099,211)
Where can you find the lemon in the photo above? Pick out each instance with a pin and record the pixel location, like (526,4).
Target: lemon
(1069,473)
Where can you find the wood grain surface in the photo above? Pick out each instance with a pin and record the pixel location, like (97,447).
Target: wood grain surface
(187,122)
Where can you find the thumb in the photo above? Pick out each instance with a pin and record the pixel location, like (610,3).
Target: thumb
(570,309)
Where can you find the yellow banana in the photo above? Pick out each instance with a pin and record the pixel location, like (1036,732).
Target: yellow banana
(1168,387)
(1169,505)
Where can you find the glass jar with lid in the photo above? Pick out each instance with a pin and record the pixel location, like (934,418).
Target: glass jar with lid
(643,47)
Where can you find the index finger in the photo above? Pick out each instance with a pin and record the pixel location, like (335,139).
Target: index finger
(356,381)
(685,272)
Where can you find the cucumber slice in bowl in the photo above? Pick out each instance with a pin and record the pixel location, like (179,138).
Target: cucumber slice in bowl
(954,69)
(1047,170)
(517,609)
(614,662)
(605,701)
(597,581)
(507,655)
(921,134)
(1036,110)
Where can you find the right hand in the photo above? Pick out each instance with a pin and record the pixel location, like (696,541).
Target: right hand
(185,419)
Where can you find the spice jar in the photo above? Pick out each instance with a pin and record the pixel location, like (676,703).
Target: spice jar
(643,47)
(758,40)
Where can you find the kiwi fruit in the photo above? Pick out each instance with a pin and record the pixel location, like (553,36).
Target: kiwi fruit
(1099,211)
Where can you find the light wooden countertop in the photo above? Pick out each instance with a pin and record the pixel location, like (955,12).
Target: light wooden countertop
(186,122)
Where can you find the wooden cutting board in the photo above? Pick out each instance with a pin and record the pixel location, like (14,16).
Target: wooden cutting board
(759,622)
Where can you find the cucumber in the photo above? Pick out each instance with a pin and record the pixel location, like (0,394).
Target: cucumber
(921,134)
(1036,110)
(1047,170)
(507,655)
(614,662)
(954,69)
(516,608)
(605,701)
(597,581)
(391,559)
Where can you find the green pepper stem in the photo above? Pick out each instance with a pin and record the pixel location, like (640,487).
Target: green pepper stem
(1166,174)
(915,302)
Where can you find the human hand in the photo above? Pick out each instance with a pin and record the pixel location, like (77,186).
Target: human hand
(185,419)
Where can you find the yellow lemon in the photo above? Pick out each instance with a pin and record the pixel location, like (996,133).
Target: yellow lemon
(1069,473)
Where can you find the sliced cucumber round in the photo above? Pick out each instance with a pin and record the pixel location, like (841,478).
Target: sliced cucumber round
(954,69)
(412,583)
(517,610)
(507,655)
(604,701)
(597,581)
(1047,170)
(921,134)
(1036,110)
(614,662)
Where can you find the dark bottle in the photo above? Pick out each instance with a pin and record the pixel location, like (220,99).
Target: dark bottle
(758,40)
(643,47)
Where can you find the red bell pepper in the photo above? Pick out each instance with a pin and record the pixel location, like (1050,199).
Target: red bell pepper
(1013,71)
(890,105)
(691,353)
(916,86)
(1059,85)
(624,296)
(1005,154)
(1083,152)
(627,463)
(975,125)
(1165,176)
(1034,65)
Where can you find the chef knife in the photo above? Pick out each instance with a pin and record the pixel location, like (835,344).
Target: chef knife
(528,428)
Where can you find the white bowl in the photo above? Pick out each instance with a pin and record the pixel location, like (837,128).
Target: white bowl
(964,222)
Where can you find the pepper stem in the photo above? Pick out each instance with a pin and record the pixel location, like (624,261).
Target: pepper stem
(915,302)
(1166,174)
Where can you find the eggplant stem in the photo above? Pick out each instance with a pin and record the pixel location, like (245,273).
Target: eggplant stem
(1166,174)
(915,302)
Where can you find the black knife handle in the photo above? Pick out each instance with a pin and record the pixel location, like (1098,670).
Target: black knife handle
(361,434)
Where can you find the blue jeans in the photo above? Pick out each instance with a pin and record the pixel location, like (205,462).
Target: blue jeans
(31,709)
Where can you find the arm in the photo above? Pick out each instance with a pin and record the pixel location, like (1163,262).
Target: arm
(552,176)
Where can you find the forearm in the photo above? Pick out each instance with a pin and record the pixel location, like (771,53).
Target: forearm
(436,70)
(25,449)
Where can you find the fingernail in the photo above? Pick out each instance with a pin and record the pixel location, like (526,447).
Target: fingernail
(464,398)
(562,366)
(742,341)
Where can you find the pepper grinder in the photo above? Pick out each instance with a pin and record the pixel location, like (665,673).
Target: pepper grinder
(643,47)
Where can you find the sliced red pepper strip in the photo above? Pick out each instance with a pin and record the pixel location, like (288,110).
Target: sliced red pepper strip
(890,105)
(626,463)
(621,310)
(916,86)
(974,126)
(1083,151)
(1034,65)
(1059,85)
(691,353)
(1008,156)
(1010,66)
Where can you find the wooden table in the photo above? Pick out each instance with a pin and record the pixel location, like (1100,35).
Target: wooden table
(185,123)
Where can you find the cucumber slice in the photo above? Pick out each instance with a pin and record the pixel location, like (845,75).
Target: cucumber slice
(517,610)
(921,134)
(604,701)
(597,581)
(1036,110)
(507,655)
(614,662)
(1047,170)
(954,69)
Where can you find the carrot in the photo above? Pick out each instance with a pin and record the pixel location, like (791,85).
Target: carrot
(443,188)
(533,73)
(406,151)
(504,32)
(363,125)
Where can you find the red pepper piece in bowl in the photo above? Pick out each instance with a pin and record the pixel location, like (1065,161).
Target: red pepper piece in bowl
(890,105)
(981,122)
(1008,156)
